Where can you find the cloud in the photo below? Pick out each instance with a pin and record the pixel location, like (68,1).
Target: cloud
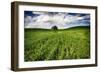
(61,20)
(27,20)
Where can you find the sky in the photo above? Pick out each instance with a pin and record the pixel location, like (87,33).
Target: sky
(63,20)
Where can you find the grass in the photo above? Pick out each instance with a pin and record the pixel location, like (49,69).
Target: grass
(42,44)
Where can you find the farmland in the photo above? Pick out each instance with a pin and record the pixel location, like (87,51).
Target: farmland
(48,44)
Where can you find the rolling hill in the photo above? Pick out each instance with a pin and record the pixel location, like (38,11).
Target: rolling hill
(46,44)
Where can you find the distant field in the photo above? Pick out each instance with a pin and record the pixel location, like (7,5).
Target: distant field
(42,44)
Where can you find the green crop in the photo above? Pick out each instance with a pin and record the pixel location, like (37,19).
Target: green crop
(46,44)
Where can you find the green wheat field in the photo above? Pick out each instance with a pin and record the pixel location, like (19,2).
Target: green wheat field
(65,44)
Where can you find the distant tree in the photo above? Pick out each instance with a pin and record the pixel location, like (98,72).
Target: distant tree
(54,28)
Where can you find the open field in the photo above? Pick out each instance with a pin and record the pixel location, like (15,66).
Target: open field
(45,44)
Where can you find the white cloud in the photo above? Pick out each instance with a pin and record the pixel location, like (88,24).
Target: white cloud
(27,20)
(45,20)
(37,12)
